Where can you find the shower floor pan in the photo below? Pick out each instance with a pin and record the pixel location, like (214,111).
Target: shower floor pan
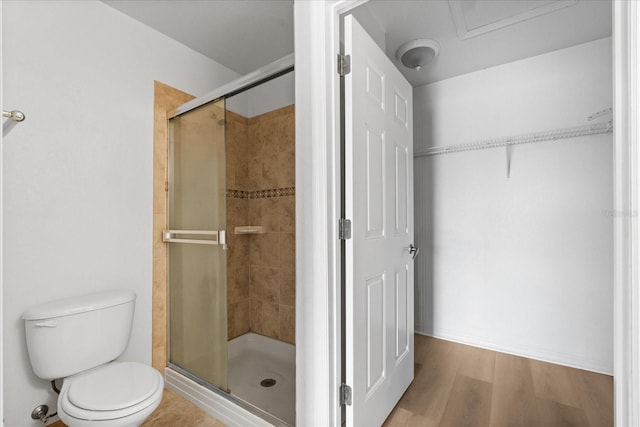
(262,372)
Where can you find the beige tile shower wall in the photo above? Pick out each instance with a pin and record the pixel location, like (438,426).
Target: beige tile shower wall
(272,254)
(272,272)
(237,151)
(238,306)
(262,267)
(272,153)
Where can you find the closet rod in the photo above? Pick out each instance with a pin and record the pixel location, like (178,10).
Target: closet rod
(552,135)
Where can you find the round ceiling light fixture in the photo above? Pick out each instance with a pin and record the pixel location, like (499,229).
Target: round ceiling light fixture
(418,53)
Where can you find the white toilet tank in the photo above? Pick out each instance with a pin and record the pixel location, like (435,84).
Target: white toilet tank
(71,335)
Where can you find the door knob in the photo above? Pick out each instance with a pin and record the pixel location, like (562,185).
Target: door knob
(413,251)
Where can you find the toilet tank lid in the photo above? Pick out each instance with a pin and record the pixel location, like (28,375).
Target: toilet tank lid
(79,304)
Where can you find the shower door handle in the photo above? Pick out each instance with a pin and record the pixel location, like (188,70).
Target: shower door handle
(217,237)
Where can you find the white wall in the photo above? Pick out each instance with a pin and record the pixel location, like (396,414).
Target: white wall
(1,238)
(274,94)
(239,104)
(269,96)
(78,172)
(521,264)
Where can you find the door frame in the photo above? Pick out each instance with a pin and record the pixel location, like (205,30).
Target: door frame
(626,329)
(317,41)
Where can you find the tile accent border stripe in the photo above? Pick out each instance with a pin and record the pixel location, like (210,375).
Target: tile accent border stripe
(262,194)
(238,194)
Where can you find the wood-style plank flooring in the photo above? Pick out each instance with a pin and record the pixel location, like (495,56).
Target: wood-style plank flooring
(457,385)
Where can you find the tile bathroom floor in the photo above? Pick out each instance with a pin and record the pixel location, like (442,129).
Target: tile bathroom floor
(175,411)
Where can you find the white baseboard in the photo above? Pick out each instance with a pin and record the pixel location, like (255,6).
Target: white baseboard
(551,357)
(219,407)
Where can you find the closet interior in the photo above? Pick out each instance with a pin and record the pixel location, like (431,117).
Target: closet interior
(513,173)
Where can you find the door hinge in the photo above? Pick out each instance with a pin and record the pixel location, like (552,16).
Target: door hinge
(344,65)
(344,229)
(166,186)
(345,395)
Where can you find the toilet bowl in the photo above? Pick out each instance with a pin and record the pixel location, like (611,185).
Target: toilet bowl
(116,394)
(96,390)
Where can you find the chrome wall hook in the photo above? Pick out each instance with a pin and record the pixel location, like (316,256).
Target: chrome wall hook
(15,115)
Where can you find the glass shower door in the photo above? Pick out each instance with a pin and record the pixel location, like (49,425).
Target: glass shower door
(196,239)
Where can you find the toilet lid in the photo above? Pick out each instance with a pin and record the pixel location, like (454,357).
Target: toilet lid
(115,386)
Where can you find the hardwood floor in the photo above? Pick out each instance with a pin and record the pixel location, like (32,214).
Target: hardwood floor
(457,386)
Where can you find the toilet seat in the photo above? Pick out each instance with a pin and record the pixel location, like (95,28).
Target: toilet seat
(112,391)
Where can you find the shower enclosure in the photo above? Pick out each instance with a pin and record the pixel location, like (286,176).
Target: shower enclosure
(231,247)
(197,266)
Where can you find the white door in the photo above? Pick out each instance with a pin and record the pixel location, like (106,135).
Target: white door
(379,201)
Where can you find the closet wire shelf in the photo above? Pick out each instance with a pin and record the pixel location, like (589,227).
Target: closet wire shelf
(551,135)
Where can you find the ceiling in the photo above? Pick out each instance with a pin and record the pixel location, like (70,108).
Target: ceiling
(487,44)
(245,35)
(242,35)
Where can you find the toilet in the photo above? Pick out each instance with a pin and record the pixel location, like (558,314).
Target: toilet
(78,339)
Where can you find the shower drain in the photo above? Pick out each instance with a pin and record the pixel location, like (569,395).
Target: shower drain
(268,382)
